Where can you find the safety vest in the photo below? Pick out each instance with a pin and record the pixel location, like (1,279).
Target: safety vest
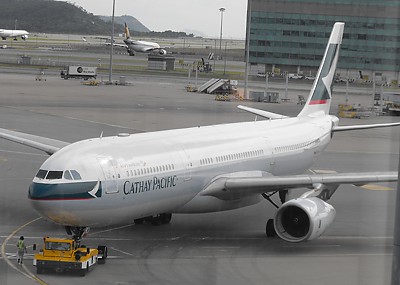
(20,244)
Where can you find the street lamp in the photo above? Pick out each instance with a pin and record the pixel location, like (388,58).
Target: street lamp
(112,44)
(222,10)
(246,77)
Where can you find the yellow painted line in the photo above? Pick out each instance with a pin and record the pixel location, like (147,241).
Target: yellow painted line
(26,273)
(374,187)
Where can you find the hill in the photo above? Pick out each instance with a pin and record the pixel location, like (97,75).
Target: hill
(59,17)
(133,23)
(137,29)
(48,16)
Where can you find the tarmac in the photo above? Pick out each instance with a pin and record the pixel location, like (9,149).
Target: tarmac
(217,248)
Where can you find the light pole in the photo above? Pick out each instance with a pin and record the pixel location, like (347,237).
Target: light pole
(246,76)
(112,44)
(222,10)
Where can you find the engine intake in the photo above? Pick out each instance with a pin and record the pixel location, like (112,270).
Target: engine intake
(303,219)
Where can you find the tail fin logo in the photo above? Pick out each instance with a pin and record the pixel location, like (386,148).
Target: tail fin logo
(127,34)
(323,89)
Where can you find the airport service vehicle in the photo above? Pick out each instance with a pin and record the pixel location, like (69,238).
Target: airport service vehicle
(391,102)
(60,255)
(77,71)
(113,180)
(295,76)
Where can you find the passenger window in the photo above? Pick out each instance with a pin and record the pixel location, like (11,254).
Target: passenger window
(76,175)
(41,174)
(54,175)
(67,175)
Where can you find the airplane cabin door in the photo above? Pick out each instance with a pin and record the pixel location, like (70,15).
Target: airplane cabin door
(110,175)
(187,164)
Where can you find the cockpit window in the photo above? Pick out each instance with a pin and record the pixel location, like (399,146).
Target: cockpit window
(76,175)
(41,174)
(67,175)
(54,175)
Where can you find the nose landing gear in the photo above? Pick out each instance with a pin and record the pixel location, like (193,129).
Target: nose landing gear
(77,233)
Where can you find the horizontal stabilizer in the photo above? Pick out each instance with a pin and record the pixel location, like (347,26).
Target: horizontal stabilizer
(262,113)
(363,127)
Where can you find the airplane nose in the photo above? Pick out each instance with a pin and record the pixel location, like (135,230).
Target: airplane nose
(57,202)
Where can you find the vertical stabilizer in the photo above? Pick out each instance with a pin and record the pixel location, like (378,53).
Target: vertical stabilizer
(127,34)
(319,100)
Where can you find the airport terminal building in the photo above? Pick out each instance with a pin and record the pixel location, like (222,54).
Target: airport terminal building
(291,35)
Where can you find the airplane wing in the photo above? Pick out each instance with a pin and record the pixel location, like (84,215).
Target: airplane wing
(47,145)
(149,49)
(117,45)
(236,186)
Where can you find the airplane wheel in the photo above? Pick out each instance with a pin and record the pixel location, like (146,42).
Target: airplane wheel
(270,229)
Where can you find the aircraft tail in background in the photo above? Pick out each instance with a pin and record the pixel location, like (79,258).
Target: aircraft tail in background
(127,34)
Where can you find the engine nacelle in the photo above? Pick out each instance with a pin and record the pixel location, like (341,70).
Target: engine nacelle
(24,37)
(162,52)
(303,219)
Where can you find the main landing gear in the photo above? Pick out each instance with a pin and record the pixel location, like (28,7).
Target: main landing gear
(283,194)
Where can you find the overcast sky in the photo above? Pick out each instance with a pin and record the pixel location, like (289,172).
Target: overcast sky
(178,15)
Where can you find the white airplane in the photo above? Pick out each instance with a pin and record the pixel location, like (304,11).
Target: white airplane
(4,34)
(113,180)
(133,46)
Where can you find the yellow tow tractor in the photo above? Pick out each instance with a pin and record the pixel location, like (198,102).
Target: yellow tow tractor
(60,255)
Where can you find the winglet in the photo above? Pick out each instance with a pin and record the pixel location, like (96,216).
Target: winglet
(319,100)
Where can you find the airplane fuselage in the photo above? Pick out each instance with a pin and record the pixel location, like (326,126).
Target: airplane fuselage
(141,46)
(128,177)
(13,34)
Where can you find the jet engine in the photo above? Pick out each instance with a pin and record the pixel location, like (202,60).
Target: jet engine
(162,52)
(24,37)
(303,219)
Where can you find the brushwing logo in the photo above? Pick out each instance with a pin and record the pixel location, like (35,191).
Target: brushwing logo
(323,92)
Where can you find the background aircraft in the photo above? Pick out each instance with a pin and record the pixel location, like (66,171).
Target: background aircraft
(4,34)
(114,180)
(133,46)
